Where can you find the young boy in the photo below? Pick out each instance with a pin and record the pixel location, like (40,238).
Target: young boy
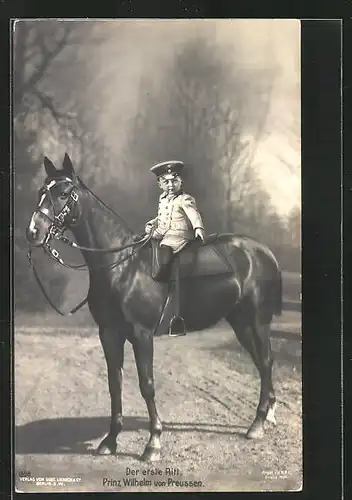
(178,220)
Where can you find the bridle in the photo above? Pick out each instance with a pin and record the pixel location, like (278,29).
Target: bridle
(59,222)
(63,221)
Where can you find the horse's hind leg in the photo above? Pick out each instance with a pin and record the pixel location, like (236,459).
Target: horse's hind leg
(142,343)
(253,332)
(267,400)
(113,346)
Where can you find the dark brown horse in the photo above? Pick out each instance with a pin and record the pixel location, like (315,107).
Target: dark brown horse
(126,302)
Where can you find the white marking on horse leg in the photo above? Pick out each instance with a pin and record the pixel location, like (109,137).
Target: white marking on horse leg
(270,417)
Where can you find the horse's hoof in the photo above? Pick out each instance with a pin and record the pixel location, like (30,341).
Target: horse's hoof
(150,455)
(256,431)
(106,447)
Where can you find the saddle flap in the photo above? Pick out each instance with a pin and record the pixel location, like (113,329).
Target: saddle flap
(203,259)
(197,258)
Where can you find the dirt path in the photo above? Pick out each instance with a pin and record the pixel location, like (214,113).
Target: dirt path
(207,391)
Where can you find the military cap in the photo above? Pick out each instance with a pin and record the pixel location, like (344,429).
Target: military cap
(168,169)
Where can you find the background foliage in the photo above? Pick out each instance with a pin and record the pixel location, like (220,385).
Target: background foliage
(204,107)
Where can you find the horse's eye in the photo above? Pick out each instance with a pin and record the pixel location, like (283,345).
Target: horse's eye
(63,196)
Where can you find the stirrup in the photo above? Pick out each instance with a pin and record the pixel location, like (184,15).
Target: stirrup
(177,327)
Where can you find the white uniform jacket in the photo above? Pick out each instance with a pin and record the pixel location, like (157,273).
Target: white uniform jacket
(177,219)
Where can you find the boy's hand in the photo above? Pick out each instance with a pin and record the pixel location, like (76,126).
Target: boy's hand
(199,233)
(148,227)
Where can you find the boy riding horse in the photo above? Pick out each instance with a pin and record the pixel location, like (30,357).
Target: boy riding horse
(177,223)
(178,220)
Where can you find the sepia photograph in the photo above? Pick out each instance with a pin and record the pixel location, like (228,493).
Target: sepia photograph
(157,260)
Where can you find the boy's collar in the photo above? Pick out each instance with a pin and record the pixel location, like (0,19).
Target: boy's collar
(164,195)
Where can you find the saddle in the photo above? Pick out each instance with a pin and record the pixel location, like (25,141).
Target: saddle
(197,259)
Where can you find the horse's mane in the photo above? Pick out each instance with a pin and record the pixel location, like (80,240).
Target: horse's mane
(102,203)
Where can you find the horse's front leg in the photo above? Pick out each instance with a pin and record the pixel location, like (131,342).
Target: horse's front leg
(113,346)
(143,351)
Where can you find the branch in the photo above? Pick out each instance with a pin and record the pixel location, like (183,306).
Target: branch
(95,40)
(181,90)
(232,138)
(40,41)
(30,54)
(239,168)
(262,122)
(292,168)
(47,102)
(49,56)
(20,43)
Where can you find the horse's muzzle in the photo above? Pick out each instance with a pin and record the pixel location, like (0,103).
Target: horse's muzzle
(33,236)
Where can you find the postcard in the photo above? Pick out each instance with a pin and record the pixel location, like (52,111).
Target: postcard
(157,168)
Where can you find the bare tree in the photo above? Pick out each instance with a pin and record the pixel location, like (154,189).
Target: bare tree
(199,113)
(38,46)
(294,227)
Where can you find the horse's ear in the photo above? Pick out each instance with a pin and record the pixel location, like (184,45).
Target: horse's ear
(67,166)
(49,167)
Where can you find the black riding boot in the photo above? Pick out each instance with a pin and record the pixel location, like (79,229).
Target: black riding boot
(177,324)
(163,268)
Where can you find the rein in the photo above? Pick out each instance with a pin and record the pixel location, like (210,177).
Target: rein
(55,232)
(55,255)
(74,310)
(72,244)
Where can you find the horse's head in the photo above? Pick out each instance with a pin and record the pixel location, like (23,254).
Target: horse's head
(58,203)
